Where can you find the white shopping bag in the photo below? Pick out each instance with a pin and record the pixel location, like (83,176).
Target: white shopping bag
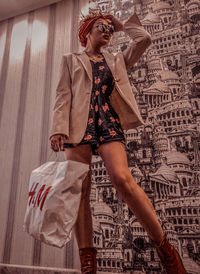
(54,199)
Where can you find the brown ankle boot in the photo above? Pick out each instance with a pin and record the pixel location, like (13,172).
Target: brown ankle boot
(88,260)
(169,257)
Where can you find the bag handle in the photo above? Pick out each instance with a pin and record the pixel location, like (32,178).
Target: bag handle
(55,156)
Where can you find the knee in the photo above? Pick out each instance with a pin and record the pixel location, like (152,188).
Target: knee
(86,188)
(122,180)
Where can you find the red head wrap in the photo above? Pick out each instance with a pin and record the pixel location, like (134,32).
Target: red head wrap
(86,27)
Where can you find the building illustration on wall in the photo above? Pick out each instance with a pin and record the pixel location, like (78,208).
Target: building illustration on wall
(164,154)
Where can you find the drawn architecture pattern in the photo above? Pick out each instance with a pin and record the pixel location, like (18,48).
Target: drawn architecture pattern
(164,155)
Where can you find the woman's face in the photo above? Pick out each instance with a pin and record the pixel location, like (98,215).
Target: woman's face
(96,36)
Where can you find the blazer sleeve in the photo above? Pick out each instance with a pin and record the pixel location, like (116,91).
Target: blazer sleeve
(141,40)
(62,105)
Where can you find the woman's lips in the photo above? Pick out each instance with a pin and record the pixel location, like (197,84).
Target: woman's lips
(106,36)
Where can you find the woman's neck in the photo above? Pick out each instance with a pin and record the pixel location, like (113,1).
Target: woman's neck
(93,51)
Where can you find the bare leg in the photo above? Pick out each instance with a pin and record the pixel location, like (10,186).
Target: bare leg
(83,225)
(115,159)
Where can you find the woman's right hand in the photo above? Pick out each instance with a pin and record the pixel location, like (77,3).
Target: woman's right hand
(57,142)
(118,25)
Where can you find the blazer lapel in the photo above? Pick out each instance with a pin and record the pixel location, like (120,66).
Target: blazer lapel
(86,63)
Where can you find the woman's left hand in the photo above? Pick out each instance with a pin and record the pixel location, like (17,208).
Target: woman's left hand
(118,25)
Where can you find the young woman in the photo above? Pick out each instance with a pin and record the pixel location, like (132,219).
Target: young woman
(94,104)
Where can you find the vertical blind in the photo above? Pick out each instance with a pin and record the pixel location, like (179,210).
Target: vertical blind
(31,48)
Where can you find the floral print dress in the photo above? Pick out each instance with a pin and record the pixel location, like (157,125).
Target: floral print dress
(103,122)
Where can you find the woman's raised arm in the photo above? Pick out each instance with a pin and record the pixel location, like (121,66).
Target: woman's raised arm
(141,40)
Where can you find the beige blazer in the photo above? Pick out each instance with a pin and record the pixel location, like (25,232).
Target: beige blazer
(72,102)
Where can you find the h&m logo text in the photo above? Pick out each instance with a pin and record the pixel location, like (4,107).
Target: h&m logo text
(37,196)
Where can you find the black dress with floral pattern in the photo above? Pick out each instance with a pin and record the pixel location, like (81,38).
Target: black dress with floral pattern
(103,122)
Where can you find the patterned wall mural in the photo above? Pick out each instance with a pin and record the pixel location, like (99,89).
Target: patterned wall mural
(164,155)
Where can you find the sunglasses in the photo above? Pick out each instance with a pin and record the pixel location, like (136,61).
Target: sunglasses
(103,28)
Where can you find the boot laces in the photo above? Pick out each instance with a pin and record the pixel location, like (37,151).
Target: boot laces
(88,266)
